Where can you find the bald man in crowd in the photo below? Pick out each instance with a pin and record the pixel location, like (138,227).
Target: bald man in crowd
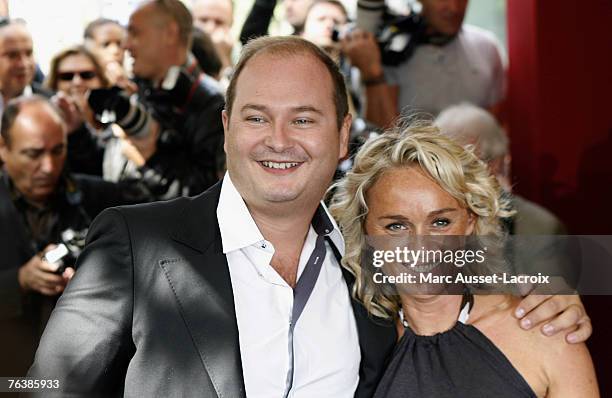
(39,202)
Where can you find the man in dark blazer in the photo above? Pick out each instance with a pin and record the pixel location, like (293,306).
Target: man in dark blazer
(167,297)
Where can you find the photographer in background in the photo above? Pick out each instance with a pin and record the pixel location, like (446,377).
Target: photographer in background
(322,19)
(41,207)
(174,120)
(429,61)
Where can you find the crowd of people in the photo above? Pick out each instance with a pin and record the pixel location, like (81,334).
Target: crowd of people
(205,291)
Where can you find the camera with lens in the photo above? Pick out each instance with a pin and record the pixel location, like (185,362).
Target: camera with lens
(67,251)
(399,36)
(114,105)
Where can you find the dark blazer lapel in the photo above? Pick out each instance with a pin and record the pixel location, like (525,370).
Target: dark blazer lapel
(202,286)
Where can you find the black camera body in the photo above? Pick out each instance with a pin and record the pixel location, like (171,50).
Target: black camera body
(67,251)
(399,36)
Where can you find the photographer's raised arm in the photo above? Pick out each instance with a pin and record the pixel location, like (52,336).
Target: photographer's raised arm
(258,20)
(362,50)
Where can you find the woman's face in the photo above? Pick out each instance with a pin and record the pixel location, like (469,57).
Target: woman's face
(404,205)
(76,75)
(406,202)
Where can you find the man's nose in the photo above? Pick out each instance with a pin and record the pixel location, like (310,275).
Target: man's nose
(46,164)
(278,139)
(23,60)
(209,26)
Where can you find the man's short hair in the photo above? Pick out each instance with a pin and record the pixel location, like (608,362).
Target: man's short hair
(14,107)
(95,24)
(290,46)
(179,13)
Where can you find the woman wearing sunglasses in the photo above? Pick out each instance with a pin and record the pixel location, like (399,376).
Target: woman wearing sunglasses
(410,183)
(73,73)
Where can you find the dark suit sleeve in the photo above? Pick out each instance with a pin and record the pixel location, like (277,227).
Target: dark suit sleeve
(87,344)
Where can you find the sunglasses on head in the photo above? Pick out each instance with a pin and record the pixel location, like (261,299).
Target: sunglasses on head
(68,76)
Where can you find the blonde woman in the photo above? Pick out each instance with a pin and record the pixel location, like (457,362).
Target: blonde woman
(411,182)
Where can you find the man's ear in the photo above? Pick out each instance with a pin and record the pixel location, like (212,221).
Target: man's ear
(225,120)
(3,149)
(345,133)
(172,33)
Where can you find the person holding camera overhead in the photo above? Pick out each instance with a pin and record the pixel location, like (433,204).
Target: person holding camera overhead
(429,60)
(173,119)
(42,208)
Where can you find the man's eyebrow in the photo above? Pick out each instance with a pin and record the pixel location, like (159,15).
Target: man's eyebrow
(254,107)
(301,108)
(32,149)
(307,108)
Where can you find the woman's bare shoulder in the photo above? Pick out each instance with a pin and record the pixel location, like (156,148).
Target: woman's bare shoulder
(550,365)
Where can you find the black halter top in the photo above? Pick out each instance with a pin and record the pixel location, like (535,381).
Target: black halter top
(461,362)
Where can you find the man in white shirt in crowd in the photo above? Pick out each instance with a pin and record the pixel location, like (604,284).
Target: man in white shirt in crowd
(453,63)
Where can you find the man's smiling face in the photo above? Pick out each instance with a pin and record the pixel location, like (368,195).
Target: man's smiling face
(282,138)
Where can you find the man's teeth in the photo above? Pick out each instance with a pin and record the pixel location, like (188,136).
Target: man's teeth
(282,166)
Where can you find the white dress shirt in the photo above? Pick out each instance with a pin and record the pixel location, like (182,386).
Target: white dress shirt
(325,342)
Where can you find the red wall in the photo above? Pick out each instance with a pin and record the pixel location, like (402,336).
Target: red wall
(560,107)
(560,122)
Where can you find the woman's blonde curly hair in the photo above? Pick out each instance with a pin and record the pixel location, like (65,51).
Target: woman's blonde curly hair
(458,171)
